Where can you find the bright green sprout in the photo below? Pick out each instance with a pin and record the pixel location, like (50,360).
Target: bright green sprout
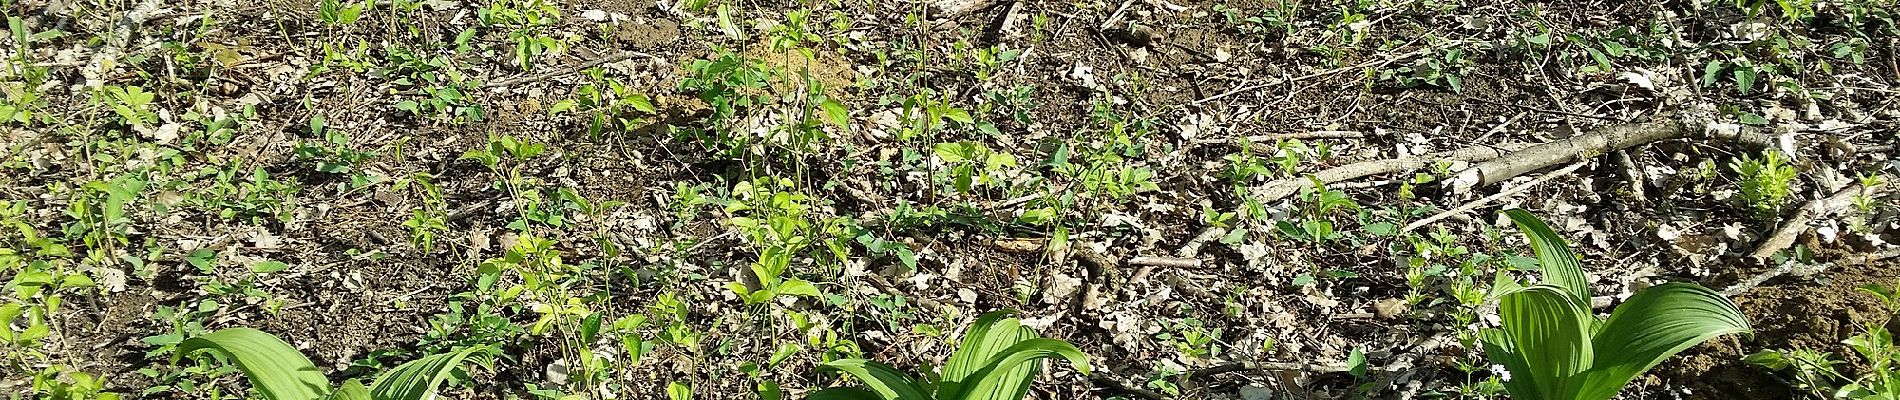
(1555,349)
(279,372)
(996,361)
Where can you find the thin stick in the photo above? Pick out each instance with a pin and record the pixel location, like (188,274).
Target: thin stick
(577,68)
(1817,208)
(1467,207)
(1188,254)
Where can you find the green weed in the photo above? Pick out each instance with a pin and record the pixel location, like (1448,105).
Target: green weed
(1555,348)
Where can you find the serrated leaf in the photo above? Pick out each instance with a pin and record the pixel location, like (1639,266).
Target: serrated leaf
(1745,79)
(1711,72)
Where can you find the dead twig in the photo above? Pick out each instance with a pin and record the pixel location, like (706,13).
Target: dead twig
(1467,207)
(1818,208)
(1186,257)
(577,68)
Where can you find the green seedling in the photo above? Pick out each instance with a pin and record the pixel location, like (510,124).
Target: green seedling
(1555,349)
(278,372)
(996,361)
(1765,182)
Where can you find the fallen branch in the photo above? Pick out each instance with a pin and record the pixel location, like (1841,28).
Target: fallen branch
(1280,189)
(1589,145)
(1495,164)
(1818,208)
(1176,262)
(1307,135)
(1467,207)
(577,68)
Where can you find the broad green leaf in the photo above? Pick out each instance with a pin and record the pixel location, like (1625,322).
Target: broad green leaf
(1356,363)
(350,390)
(418,379)
(269,267)
(835,113)
(1656,323)
(798,287)
(991,333)
(1001,379)
(1498,348)
(276,370)
(842,394)
(1560,266)
(679,391)
(1550,330)
(888,383)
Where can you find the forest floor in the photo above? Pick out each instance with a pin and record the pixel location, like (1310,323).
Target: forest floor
(631,199)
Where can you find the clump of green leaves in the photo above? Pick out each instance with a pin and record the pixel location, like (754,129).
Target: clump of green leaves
(1814,370)
(278,372)
(1556,349)
(1442,71)
(996,361)
(1765,182)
